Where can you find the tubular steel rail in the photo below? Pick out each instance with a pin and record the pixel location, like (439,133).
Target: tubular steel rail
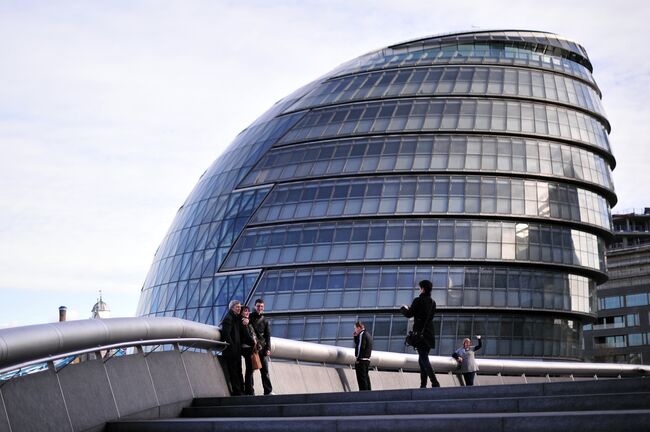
(21,347)
(311,352)
(186,342)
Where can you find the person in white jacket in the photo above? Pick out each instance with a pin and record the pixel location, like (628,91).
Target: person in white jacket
(465,358)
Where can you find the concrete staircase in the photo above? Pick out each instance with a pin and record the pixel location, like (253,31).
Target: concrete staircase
(593,406)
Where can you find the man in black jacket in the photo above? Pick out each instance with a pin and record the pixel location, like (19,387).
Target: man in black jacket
(422,311)
(230,333)
(263,332)
(362,351)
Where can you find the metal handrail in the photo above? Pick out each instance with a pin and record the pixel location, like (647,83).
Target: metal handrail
(21,346)
(316,353)
(28,343)
(192,342)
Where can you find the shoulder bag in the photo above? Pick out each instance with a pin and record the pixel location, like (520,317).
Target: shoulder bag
(416,338)
(256,362)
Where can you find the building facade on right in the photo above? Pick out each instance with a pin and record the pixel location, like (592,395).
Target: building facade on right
(621,333)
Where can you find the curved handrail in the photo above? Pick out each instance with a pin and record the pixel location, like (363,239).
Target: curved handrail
(44,342)
(311,352)
(28,343)
(188,342)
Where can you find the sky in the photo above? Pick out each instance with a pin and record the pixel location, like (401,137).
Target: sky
(110,111)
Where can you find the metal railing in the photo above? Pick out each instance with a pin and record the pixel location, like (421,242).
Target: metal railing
(22,347)
(609,326)
(315,353)
(104,352)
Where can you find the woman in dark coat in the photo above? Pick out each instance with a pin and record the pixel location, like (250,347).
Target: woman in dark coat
(248,344)
(422,311)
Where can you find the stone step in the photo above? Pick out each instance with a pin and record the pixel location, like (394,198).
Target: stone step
(584,402)
(570,421)
(625,385)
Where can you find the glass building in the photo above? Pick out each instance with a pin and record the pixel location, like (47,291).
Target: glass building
(477,160)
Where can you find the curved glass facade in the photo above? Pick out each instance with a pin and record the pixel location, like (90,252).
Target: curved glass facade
(478,160)
(459,81)
(435,153)
(496,52)
(520,335)
(433,194)
(380,288)
(454,114)
(403,240)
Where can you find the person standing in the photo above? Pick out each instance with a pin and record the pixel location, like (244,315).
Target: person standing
(248,346)
(231,327)
(362,352)
(422,310)
(263,333)
(465,358)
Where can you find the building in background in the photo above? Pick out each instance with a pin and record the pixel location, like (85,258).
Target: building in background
(477,160)
(621,333)
(100,309)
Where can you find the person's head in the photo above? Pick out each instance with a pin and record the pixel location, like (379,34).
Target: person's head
(425,286)
(245,311)
(467,343)
(359,326)
(259,305)
(235,306)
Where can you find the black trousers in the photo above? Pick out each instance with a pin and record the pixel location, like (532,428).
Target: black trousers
(426,370)
(363,379)
(248,374)
(232,367)
(469,378)
(266,380)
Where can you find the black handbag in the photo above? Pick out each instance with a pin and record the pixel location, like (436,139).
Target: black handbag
(416,338)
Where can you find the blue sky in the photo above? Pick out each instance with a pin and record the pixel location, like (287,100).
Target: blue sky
(110,112)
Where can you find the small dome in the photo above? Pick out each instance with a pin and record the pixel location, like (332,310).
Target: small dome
(101,309)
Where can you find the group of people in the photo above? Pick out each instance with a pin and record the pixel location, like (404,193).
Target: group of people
(422,310)
(249,335)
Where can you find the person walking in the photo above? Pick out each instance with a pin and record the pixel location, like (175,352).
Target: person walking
(465,358)
(362,352)
(231,328)
(422,310)
(263,333)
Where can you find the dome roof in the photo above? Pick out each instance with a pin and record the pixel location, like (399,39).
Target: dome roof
(100,306)
(100,309)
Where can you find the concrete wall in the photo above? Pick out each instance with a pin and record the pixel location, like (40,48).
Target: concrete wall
(83,396)
(291,377)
